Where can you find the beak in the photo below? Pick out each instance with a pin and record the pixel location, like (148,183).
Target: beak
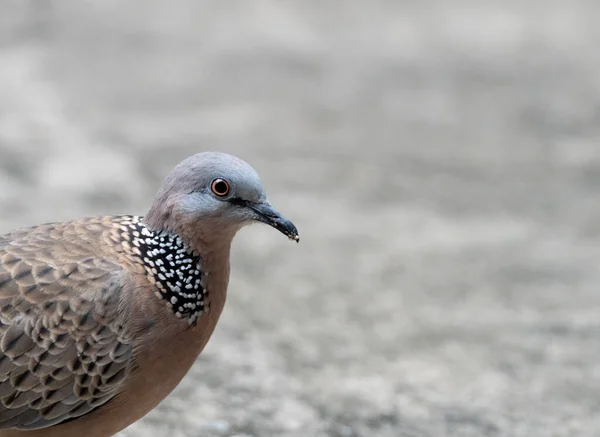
(267,214)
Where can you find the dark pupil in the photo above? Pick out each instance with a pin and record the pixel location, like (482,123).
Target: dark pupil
(220,187)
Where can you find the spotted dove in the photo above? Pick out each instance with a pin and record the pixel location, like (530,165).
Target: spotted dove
(101,318)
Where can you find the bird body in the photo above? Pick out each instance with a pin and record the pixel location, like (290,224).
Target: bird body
(101,318)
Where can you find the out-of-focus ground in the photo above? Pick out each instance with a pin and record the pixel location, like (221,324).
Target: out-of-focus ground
(441,160)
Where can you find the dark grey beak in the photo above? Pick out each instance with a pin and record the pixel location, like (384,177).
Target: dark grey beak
(267,214)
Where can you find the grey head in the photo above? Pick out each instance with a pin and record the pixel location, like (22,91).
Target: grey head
(210,196)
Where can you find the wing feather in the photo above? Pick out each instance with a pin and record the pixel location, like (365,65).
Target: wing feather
(63,351)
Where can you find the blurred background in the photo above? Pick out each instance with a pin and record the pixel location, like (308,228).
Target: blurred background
(440,159)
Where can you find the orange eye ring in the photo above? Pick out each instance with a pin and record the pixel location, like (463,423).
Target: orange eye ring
(220,187)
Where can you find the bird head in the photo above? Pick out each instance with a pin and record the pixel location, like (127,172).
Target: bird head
(218,193)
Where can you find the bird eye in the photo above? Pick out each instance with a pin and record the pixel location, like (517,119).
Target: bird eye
(220,187)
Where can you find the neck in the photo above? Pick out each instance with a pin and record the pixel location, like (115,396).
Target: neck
(213,246)
(185,267)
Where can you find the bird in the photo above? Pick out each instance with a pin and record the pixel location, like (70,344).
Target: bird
(102,317)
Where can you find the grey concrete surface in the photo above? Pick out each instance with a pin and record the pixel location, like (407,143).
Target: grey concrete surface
(441,160)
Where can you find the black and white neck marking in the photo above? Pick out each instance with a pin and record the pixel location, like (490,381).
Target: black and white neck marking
(171,266)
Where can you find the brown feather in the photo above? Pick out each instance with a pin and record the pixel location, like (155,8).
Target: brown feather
(59,322)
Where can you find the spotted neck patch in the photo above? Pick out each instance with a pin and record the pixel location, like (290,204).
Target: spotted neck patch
(171,267)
